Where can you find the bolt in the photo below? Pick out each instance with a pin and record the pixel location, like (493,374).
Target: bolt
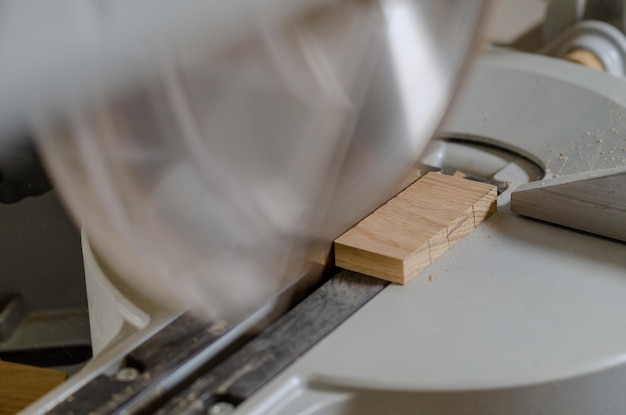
(127,374)
(221,408)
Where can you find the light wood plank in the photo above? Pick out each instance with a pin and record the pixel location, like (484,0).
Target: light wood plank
(415,228)
(21,385)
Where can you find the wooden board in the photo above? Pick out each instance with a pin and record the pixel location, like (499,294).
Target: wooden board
(21,385)
(592,201)
(415,228)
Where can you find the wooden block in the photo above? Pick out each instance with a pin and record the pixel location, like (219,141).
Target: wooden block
(416,227)
(21,385)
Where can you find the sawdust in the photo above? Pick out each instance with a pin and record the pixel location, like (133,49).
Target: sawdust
(597,148)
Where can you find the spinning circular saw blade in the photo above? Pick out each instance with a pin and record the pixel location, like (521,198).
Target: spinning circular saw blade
(213,151)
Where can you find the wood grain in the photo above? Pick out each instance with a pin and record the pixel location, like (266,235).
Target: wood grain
(415,228)
(593,201)
(21,385)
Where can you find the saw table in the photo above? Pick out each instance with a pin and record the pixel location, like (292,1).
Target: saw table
(520,316)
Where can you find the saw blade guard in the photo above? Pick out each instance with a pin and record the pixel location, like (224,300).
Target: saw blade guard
(219,180)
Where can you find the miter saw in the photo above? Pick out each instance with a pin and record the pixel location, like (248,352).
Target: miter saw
(151,147)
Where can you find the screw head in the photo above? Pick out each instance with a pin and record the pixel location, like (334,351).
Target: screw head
(221,408)
(127,374)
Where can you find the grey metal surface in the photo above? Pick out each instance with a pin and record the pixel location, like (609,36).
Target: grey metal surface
(606,42)
(520,316)
(592,201)
(561,15)
(566,118)
(593,394)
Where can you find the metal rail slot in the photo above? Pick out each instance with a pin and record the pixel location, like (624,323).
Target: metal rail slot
(151,371)
(256,363)
(158,369)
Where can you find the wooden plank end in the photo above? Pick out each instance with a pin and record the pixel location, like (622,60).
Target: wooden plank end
(412,230)
(21,385)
